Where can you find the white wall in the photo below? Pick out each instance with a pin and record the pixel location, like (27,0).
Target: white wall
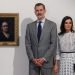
(13,60)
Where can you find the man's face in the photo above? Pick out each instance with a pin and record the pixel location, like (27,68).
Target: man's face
(40,12)
(4,27)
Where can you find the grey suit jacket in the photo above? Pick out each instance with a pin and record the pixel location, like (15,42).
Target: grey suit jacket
(46,47)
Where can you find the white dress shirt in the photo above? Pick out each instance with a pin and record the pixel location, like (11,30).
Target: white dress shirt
(42,23)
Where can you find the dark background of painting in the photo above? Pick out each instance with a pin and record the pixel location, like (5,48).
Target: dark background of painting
(11,24)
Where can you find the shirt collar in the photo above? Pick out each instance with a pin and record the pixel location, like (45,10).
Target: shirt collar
(43,20)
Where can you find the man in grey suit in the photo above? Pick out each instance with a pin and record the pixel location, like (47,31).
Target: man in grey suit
(41,42)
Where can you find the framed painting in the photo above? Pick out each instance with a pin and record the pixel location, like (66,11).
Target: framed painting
(9,29)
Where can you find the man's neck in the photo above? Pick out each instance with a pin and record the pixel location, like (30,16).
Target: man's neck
(41,18)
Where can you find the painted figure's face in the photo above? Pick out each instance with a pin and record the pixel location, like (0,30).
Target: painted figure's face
(4,27)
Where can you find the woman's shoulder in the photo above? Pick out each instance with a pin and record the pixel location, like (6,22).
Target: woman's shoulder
(73,33)
(59,36)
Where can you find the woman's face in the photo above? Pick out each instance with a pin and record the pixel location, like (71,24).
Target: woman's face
(68,25)
(4,27)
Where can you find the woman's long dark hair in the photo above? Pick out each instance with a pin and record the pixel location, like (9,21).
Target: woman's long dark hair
(62,27)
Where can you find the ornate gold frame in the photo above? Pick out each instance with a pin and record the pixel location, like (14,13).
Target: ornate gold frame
(16,29)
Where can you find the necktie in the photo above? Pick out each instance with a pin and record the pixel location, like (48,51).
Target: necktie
(39,30)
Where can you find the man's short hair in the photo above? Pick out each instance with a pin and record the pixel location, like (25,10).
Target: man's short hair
(39,4)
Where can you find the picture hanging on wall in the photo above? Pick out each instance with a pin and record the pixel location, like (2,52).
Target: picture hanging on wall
(9,29)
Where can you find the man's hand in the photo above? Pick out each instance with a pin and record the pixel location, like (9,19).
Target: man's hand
(41,60)
(36,61)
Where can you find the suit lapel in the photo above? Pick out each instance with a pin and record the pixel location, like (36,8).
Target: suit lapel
(43,30)
(35,31)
